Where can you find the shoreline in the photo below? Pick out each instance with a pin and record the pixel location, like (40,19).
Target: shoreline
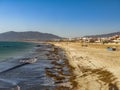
(65,66)
(50,62)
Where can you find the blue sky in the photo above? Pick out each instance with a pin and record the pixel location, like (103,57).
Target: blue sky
(67,18)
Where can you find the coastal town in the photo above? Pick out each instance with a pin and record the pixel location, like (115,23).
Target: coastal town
(112,39)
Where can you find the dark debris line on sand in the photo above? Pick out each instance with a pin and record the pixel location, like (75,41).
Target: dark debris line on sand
(60,72)
(50,72)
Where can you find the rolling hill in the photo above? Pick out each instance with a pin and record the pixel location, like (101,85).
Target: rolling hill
(104,35)
(12,35)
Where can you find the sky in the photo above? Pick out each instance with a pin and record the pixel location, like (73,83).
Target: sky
(66,18)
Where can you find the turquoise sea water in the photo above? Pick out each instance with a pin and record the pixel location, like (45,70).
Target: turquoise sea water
(14,49)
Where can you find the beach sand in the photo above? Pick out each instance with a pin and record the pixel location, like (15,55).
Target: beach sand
(65,66)
(94,67)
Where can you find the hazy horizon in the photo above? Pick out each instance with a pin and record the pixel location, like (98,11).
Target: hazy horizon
(62,36)
(64,18)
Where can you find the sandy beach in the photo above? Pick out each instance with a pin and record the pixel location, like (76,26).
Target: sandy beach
(94,67)
(63,66)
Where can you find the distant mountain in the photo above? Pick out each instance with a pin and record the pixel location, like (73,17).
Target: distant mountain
(104,35)
(11,35)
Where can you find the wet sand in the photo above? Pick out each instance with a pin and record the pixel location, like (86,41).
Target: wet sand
(51,71)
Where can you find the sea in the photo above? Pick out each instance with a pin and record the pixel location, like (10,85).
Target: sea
(12,49)
(28,76)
